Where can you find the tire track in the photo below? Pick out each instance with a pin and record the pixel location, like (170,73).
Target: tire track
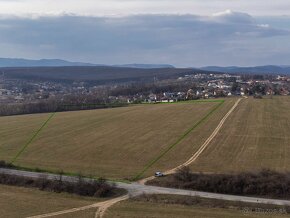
(103,206)
(181,138)
(201,149)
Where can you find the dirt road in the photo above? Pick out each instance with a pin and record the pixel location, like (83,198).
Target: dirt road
(138,188)
(202,147)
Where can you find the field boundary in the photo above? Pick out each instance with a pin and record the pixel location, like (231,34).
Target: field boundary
(152,162)
(32,138)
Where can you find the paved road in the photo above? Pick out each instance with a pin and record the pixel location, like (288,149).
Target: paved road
(135,189)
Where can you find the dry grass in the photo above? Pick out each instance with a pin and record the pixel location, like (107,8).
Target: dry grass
(22,202)
(15,132)
(195,139)
(255,136)
(163,206)
(113,143)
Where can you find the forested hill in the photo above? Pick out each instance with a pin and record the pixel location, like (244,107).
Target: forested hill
(269,69)
(96,74)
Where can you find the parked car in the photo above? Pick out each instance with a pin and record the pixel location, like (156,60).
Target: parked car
(159,174)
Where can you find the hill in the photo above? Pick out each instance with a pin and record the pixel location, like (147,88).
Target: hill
(20,62)
(93,74)
(269,69)
(146,66)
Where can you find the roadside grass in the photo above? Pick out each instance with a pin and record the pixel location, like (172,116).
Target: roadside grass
(111,143)
(23,202)
(186,206)
(255,137)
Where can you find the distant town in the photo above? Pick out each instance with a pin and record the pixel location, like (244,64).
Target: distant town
(187,87)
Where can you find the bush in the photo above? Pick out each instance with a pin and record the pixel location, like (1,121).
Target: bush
(3,164)
(96,188)
(262,183)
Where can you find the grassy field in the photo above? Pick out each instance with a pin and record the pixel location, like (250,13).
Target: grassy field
(114,143)
(22,202)
(255,136)
(130,208)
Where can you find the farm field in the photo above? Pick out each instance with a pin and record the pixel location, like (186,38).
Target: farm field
(113,143)
(22,202)
(256,136)
(129,209)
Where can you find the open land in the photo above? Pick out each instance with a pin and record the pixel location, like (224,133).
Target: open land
(180,206)
(119,143)
(113,143)
(256,136)
(23,202)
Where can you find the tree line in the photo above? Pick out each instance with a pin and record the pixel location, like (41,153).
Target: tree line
(53,105)
(83,187)
(266,183)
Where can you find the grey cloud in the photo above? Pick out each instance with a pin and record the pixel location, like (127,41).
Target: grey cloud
(177,39)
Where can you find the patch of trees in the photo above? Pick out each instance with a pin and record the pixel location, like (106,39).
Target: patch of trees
(265,183)
(92,188)
(147,88)
(55,106)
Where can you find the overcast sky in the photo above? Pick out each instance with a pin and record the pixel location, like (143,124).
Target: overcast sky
(182,33)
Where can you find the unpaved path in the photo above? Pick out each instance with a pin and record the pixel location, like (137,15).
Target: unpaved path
(101,211)
(202,147)
(139,188)
(103,207)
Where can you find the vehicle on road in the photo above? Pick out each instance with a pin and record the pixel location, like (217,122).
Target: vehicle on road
(159,174)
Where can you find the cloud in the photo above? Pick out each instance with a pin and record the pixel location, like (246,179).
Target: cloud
(234,17)
(125,7)
(183,40)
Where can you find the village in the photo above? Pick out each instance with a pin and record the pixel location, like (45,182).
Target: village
(188,87)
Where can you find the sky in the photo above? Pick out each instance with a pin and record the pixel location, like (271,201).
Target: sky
(184,33)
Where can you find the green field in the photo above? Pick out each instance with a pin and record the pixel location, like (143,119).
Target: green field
(22,202)
(255,136)
(136,208)
(114,143)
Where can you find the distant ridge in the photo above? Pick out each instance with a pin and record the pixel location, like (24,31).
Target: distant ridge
(273,69)
(20,62)
(145,66)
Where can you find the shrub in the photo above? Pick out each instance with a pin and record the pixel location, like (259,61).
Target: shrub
(262,183)
(96,188)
